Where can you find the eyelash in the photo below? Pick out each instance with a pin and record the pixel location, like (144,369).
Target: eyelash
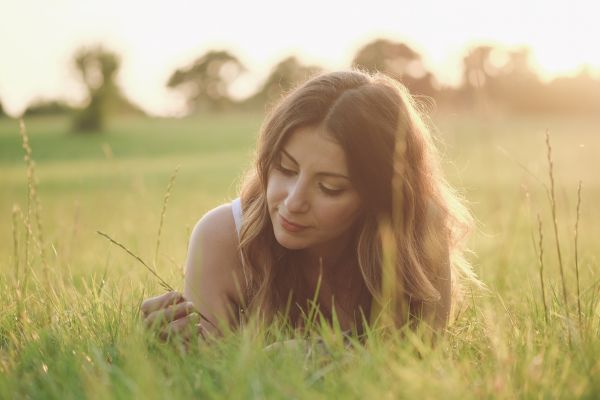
(330,192)
(327,191)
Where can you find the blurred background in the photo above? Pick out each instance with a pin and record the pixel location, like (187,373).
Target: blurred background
(115,94)
(174,58)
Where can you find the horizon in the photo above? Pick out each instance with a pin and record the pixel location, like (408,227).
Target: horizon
(155,39)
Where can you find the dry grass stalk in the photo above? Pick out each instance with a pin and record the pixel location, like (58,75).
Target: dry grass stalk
(555,223)
(28,235)
(577,255)
(164,212)
(394,310)
(74,231)
(541,265)
(15,213)
(32,197)
(163,283)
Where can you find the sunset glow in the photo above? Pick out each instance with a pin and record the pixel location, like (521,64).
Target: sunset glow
(38,39)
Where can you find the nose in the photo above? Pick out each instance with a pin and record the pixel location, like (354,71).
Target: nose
(297,200)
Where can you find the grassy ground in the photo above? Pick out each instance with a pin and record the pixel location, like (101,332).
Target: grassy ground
(69,323)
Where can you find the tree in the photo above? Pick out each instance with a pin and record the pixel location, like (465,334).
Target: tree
(504,78)
(2,113)
(477,72)
(48,107)
(284,76)
(400,62)
(206,81)
(516,86)
(575,95)
(98,68)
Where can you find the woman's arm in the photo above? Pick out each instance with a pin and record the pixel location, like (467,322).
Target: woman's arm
(213,268)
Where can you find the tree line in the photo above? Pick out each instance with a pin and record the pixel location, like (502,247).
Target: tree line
(493,78)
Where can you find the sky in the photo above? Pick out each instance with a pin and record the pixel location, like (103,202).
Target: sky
(153,37)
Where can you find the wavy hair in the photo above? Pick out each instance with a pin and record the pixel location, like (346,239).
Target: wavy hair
(394,166)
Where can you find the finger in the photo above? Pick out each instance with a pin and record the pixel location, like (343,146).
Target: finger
(159,302)
(169,314)
(182,328)
(156,303)
(206,333)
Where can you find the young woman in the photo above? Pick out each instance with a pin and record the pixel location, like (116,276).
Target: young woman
(344,163)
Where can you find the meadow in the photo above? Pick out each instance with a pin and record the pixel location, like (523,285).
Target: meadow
(69,322)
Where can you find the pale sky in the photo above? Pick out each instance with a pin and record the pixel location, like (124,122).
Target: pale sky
(154,37)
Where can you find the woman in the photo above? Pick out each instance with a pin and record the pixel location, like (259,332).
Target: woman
(345,201)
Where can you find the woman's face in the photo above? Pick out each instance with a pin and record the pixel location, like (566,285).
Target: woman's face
(311,200)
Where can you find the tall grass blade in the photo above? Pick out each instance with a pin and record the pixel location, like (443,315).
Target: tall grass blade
(15,214)
(556,237)
(164,212)
(32,196)
(162,282)
(541,267)
(577,255)
(152,271)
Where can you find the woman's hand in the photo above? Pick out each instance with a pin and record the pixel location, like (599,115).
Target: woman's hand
(171,315)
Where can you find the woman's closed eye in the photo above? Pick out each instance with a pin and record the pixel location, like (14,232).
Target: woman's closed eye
(285,171)
(327,189)
(330,191)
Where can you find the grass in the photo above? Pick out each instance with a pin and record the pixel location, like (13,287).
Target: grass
(69,323)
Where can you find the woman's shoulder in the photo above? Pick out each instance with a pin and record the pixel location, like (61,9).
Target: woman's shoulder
(217,226)
(214,249)
(213,265)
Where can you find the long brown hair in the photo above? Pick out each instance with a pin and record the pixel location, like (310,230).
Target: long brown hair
(393,164)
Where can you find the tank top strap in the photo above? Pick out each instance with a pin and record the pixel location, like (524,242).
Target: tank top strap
(236,209)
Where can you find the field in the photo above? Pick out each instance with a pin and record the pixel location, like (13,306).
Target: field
(69,324)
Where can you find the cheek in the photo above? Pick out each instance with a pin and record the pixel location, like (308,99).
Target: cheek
(274,190)
(339,216)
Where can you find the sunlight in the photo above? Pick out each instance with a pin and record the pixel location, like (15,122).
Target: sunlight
(165,36)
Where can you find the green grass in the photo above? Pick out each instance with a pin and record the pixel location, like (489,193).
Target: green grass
(69,325)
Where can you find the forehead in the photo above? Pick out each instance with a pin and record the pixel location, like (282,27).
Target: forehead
(315,147)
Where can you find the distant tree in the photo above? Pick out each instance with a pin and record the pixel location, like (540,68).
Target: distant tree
(48,107)
(503,78)
(477,67)
(98,68)
(516,86)
(283,77)
(400,62)
(2,113)
(477,71)
(575,95)
(206,81)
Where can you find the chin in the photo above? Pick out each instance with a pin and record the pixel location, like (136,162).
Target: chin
(289,242)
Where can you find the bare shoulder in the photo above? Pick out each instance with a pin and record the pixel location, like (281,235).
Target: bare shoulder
(217,227)
(213,266)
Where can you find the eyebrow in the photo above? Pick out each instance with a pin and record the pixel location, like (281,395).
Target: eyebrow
(332,174)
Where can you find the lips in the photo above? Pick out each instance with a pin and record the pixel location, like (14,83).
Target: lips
(290,226)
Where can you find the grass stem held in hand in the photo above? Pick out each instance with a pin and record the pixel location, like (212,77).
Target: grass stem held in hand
(163,283)
(152,271)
